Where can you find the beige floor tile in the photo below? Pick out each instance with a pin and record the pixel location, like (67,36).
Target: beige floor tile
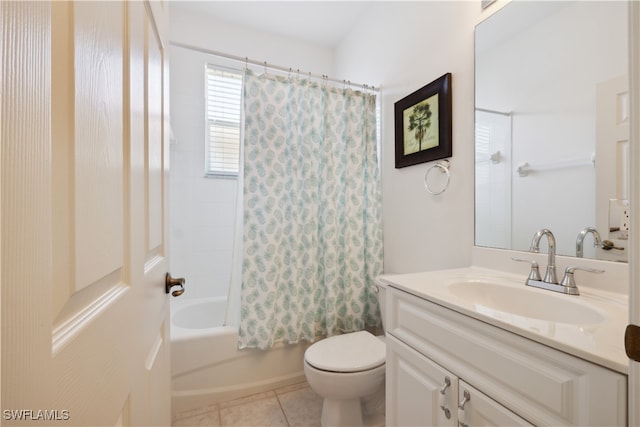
(196,411)
(292,387)
(302,407)
(247,399)
(206,419)
(260,412)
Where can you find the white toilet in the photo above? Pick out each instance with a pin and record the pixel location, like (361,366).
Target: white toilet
(348,372)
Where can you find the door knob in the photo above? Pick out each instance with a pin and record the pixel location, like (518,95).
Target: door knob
(632,342)
(170,282)
(442,395)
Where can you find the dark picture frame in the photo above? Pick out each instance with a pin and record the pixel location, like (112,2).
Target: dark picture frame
(423,124)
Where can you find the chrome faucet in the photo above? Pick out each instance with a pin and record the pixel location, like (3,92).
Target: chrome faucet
(550,282)
(550,276)
(580,239)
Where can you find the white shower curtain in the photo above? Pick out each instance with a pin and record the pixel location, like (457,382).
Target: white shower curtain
(312,243)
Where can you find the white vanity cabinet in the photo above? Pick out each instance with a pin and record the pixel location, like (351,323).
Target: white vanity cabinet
(511,380)
(422,393)
(480,410)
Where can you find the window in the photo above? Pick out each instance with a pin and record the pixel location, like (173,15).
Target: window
(223,93)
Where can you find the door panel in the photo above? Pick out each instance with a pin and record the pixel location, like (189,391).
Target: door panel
(154,140)
(98,147)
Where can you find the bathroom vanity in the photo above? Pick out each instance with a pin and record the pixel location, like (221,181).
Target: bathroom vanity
(475,347)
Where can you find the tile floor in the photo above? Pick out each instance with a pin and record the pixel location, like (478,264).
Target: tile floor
(292,406)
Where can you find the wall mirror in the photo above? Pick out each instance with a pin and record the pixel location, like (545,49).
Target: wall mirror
(552,126)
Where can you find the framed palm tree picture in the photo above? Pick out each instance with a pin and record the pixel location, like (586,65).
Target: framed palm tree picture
(423,124)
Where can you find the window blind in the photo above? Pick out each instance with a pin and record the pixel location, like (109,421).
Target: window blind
(224,95)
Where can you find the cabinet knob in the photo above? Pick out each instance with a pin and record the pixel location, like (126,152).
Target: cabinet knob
(466,397)
(441,396)
(445,386)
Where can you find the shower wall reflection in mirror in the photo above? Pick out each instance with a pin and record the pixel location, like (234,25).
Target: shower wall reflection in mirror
(552,126)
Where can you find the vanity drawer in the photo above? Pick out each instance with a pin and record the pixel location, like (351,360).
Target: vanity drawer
(539,383)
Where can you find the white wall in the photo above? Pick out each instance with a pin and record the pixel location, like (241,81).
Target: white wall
(402,46)
(202,31)
(203,209)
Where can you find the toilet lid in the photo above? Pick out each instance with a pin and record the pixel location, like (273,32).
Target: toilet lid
(353,352)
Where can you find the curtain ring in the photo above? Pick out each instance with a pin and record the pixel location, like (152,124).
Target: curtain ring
(444,166)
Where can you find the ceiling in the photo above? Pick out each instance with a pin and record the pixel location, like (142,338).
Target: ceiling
(323,23)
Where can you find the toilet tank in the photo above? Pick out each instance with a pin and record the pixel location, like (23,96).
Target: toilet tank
(382,301)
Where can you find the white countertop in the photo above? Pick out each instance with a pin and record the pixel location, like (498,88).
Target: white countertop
(601,342)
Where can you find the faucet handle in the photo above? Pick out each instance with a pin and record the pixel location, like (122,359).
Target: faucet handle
(534,274)
(569,281)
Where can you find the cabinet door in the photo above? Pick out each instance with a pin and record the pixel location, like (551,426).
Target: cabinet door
(478,410)
(413,388)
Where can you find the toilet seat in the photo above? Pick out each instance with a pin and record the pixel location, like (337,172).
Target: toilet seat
(352,352)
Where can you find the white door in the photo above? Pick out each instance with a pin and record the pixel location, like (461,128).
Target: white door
(634,259)
(612,168)
(84,181)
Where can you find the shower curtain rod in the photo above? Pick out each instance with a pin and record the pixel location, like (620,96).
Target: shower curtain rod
(274,67)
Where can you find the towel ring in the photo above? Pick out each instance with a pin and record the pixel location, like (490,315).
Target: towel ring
(444,166)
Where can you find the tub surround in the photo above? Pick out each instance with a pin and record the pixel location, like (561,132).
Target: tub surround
(207,367)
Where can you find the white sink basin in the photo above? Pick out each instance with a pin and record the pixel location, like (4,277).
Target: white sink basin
(590,326)
(526,302)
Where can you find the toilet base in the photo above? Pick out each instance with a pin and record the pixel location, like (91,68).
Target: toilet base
(368,411)
(351,399)
(343,412)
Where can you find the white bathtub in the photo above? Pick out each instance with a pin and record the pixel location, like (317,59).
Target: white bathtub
(207,367)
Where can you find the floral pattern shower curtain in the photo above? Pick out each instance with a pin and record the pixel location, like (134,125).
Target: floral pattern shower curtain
(312,211)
